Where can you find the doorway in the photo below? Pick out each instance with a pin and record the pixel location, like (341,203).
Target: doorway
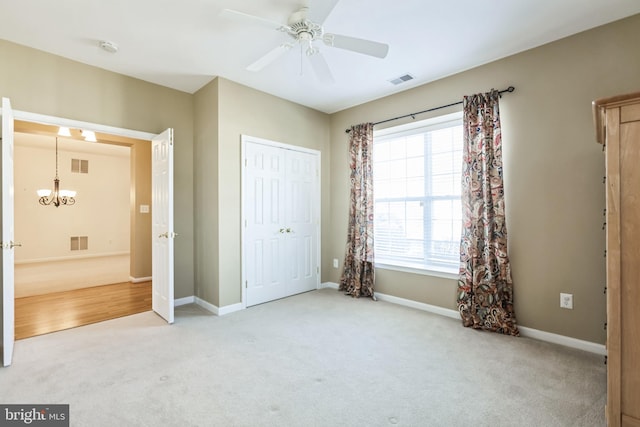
(161,234)
(84,243)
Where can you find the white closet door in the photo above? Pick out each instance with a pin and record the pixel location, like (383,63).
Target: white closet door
(281,209)
(265,228)
(301,221)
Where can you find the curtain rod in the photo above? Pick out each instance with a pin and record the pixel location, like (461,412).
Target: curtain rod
(412,115)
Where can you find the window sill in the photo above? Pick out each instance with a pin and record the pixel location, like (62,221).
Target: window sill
(422,271)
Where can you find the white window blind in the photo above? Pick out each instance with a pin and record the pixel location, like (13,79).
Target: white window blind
(417,180)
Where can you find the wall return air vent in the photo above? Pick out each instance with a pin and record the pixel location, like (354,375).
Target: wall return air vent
(79,166)
(79,243)
(402,79)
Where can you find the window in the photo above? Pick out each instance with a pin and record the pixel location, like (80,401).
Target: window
(417,180)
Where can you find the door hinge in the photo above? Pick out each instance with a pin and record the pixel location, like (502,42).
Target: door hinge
(245,163)
(246,283)
(318,269)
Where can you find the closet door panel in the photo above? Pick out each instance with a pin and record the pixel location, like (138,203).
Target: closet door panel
(302,174)
(265,240)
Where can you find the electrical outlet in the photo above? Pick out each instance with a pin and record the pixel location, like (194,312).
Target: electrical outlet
(335,263)
(566,301)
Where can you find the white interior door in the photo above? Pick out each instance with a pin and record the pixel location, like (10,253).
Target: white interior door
(8,318)
(265,223)
(162,224)
(281,212)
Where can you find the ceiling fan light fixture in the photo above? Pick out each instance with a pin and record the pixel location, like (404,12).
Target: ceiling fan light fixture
(64,131)
(311,49)
(304,32)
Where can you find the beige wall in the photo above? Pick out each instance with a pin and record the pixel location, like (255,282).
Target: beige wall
(242,110)
(42,83)
(101,211)
(140,259)
(553,172)
(206,182)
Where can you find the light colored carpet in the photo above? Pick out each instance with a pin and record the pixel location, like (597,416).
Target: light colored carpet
(316,359)
(57,276)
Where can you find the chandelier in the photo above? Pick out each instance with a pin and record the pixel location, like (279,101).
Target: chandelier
(56,197)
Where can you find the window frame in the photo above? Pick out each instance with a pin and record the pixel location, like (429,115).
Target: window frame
(430,124)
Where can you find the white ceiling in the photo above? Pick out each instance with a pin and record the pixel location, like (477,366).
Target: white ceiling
(185,44)
(48,143)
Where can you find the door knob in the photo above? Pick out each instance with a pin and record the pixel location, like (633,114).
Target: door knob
(165,235)
(10,245)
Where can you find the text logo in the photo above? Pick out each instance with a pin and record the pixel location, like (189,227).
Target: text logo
(34,415)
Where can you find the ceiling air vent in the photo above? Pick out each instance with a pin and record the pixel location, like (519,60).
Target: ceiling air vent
(402,79)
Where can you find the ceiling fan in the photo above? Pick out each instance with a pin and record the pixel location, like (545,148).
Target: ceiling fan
(305,32)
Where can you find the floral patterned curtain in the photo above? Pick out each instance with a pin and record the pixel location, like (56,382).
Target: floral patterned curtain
(358,275)
(485,289)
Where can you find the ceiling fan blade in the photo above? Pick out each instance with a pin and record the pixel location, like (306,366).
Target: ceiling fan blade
(319,10)
(246,18)
(366,47)
(321,68)
(271,56)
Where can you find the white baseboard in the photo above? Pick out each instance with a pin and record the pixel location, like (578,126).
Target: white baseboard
(230,309)
(71,258)
(183,301)
(139,279)
(589,346)
(206,305)
(218,311)
(524,331)
(419,305)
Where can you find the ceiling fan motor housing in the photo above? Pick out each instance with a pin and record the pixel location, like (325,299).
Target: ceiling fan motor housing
(305,30)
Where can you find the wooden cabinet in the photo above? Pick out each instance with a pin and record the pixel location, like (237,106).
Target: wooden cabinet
(618,128)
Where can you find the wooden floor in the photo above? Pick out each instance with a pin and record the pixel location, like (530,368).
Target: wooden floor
(41,314)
